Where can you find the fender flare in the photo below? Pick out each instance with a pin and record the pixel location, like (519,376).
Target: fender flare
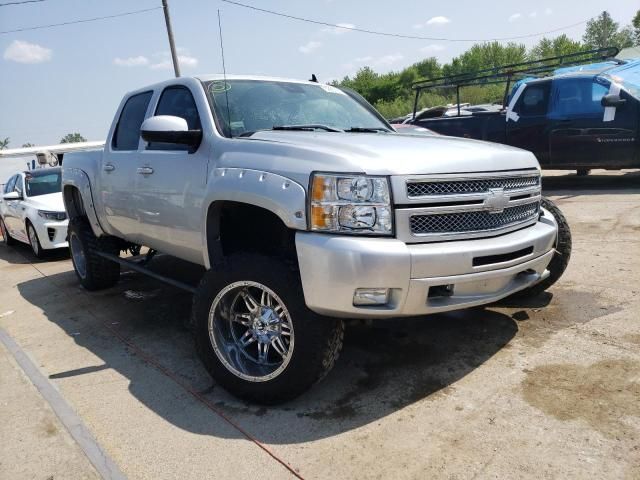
(74,178)
(280,195)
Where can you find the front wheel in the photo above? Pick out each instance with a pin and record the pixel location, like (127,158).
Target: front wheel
(254,333)
(34,241)
(562,247)
(93,271)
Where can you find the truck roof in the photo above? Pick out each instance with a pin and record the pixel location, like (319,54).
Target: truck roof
(219,76)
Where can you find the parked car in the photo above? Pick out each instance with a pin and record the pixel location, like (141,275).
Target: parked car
(305,207)
(580,118)
(32,210)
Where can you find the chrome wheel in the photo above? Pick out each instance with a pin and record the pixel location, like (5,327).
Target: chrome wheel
(33,240)
(250,331)
(78,256)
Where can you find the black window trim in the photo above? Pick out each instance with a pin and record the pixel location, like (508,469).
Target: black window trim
(115,130)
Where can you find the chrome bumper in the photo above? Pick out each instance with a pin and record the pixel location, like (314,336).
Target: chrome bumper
(332,267)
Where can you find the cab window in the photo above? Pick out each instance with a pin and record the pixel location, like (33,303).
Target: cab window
(534,101)
(572,97)
(177,101)
(127,133)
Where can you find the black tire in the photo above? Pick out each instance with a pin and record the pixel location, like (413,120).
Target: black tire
(560,260)
(317,340)
(34,241)
(6,238)
(99,272)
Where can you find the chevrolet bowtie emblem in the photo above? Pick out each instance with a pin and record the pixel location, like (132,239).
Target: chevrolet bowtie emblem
(496,200)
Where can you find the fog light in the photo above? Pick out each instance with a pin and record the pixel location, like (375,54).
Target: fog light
(371,296)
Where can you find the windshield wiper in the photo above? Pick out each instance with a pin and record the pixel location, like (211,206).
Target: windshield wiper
(310,127)
(367,129)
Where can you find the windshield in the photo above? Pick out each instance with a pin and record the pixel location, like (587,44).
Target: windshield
(43,184)
(262,105)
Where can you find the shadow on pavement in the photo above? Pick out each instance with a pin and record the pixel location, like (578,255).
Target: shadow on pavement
(383,368)
(596,183)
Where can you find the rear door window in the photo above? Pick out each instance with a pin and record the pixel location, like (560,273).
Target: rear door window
(534,101)
(127,133)
(177,101)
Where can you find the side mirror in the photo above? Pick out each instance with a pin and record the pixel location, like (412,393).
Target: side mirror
(169,129)
(612,100)
(12,196)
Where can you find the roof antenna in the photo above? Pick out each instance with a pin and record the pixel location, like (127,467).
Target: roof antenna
(313,78)
(224,73)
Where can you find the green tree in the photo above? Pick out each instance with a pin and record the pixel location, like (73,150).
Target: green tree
(4,143)
(603,31)
(636,28)
(554,47)
(72,138)
(27,145)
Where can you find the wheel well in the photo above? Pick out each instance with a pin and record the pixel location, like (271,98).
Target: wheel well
(73,202)
(236,226)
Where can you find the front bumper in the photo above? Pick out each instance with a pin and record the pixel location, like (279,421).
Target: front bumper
(52,234)
(471,272)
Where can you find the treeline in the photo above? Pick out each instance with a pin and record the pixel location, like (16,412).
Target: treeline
(392,95)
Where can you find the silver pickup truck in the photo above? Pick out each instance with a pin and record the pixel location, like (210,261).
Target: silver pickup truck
(305,207)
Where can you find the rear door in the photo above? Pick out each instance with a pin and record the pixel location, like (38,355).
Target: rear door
(581,135)
(527,125)
(120,163)
(171,182)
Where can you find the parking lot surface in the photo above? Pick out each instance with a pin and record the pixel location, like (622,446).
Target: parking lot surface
(543,388)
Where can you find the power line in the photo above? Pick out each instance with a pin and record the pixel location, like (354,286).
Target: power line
(19,3)
(85,20)
(399,35)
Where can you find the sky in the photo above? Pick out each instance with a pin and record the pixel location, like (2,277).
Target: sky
(71,78)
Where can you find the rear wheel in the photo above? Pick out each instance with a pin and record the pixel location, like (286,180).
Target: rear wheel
(34,241)
(560,259)
(255,334)
(93,271)
(6,238)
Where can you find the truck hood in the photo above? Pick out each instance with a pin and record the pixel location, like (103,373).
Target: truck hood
(52,202)
(393,154)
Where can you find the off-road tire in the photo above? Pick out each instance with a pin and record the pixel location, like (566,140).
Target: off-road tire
(318,340)
(100,272)
(37,249)
(7,238)
(560,259)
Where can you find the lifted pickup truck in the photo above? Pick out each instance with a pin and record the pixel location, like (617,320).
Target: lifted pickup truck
(579,118)
(305,207)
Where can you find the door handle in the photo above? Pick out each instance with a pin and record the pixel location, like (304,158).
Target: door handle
(108,168)
(145,170)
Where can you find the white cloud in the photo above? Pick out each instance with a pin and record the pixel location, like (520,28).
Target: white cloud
(432,48)
(366,59)
(548,11)
(25,52)
(309,47)
(138,61)
(515,17)
(164,62)
(533,14)
(338,31)
(417,26)
(387,60)
(440,20)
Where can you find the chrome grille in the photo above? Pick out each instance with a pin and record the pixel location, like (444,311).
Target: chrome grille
(461,187)
(472,221)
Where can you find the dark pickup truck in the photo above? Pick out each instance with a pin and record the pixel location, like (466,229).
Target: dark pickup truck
(579,118)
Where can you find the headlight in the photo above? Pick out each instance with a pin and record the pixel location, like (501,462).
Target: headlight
(350,203)
(57,216)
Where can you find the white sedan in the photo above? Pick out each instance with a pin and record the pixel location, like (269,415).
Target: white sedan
(32,210)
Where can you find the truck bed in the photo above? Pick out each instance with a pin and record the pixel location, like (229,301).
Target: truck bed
(488,126)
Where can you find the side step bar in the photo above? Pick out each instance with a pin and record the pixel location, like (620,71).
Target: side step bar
(146,271)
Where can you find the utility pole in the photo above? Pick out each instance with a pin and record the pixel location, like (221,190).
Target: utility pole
(172,46)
